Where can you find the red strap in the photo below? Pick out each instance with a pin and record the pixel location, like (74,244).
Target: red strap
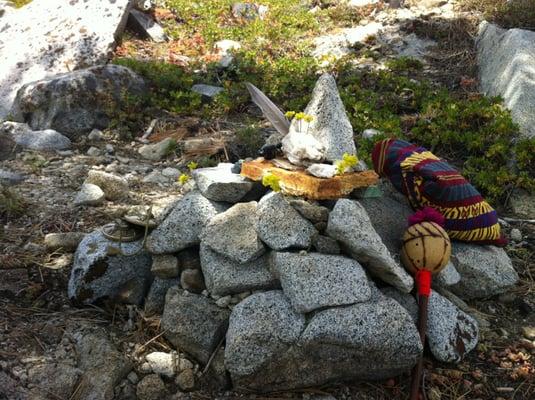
(423,282)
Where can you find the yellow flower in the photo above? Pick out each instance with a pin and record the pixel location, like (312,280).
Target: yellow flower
(299,116)
(289,114)
(308,118)
(192,165)
(182,179)
(348,161)
(271,181)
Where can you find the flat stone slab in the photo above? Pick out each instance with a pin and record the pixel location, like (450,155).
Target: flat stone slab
(224,276)
(314,280)
(300,183)
(45,38)
(506,60)
(221,184)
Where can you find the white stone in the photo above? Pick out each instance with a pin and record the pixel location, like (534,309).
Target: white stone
(370,133)
(45,38)
(89,195)
(93,151)
(95,134)
(162,363)
(322,170)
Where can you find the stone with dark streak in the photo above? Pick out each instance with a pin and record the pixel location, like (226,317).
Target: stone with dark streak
(106,269)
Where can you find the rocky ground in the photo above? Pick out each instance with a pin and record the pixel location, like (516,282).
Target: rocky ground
(50,346)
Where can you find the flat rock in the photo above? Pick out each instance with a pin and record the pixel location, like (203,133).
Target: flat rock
(314,280)
(224,276)
(350,224)
(220,184)
(145,25)
(159,150)
(300,183)
(41,140)
(340,44)
(42,39)
(74,103)
(114,187)
(269,347)
(193,323)
(330,125)
(182,227)
(233,233)
(506,58)
(155,301)
(280,226)
(451,333)
(89,195)
(104,366)
(207,90)
(485,270)
(103,268)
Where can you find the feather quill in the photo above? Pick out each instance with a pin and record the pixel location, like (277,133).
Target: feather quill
(269,109)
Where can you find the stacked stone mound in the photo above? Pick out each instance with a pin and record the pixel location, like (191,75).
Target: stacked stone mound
(299,293)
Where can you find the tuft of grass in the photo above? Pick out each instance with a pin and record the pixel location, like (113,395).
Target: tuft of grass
(11,203)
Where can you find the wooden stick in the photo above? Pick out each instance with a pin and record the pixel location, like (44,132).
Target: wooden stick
(422,327)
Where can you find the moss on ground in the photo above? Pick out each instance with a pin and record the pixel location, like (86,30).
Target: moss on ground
(473,132)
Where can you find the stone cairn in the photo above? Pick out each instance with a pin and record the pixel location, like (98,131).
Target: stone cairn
(282,293)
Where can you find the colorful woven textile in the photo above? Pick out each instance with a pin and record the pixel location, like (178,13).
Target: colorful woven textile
(427,180)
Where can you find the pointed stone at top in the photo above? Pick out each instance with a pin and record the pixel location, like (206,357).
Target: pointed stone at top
(330,125)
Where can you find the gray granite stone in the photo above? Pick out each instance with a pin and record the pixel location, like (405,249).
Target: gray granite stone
(350,224)
(221,184)
(233,233)
(280,226)
(312,281)
(224,276)
(193,323)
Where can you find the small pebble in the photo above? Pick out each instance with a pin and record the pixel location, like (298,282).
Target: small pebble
(516,235)
(223,302)
(109,149)
(528,332)
(93,152)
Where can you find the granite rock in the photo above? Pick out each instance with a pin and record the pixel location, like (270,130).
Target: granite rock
(326,245)
(155,301)
(76,102)
(89,195)
(313,281)
(233,233)
(114,187)
(159,150)
(193,323)
(40,140)
(221,184)
(182,227)
(350,224)
(103,269)
(485,270)
(280,226)
(224,276)
(165,266)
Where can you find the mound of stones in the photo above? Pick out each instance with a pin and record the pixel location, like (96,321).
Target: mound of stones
(284,292)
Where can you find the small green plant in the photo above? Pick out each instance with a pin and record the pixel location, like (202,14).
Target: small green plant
(347,162)
(271,181)
(192,165)
(404,64)
(11,203)
(249,140)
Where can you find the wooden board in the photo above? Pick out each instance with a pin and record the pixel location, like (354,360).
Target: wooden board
(300,183)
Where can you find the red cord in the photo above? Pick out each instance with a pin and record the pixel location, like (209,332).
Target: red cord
(423,282)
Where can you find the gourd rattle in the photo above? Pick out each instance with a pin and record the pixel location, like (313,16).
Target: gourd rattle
(426,251)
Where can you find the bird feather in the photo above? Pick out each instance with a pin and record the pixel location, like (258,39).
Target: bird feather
(269,109)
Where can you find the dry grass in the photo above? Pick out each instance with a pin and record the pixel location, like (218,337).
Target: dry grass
(506,13)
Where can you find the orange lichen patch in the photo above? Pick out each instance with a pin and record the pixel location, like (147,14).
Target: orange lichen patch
(300,183)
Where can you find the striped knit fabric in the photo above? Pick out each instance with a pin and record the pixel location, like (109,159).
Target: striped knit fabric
(427,180)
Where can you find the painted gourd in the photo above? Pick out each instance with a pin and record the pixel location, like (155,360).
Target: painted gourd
(425,246)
